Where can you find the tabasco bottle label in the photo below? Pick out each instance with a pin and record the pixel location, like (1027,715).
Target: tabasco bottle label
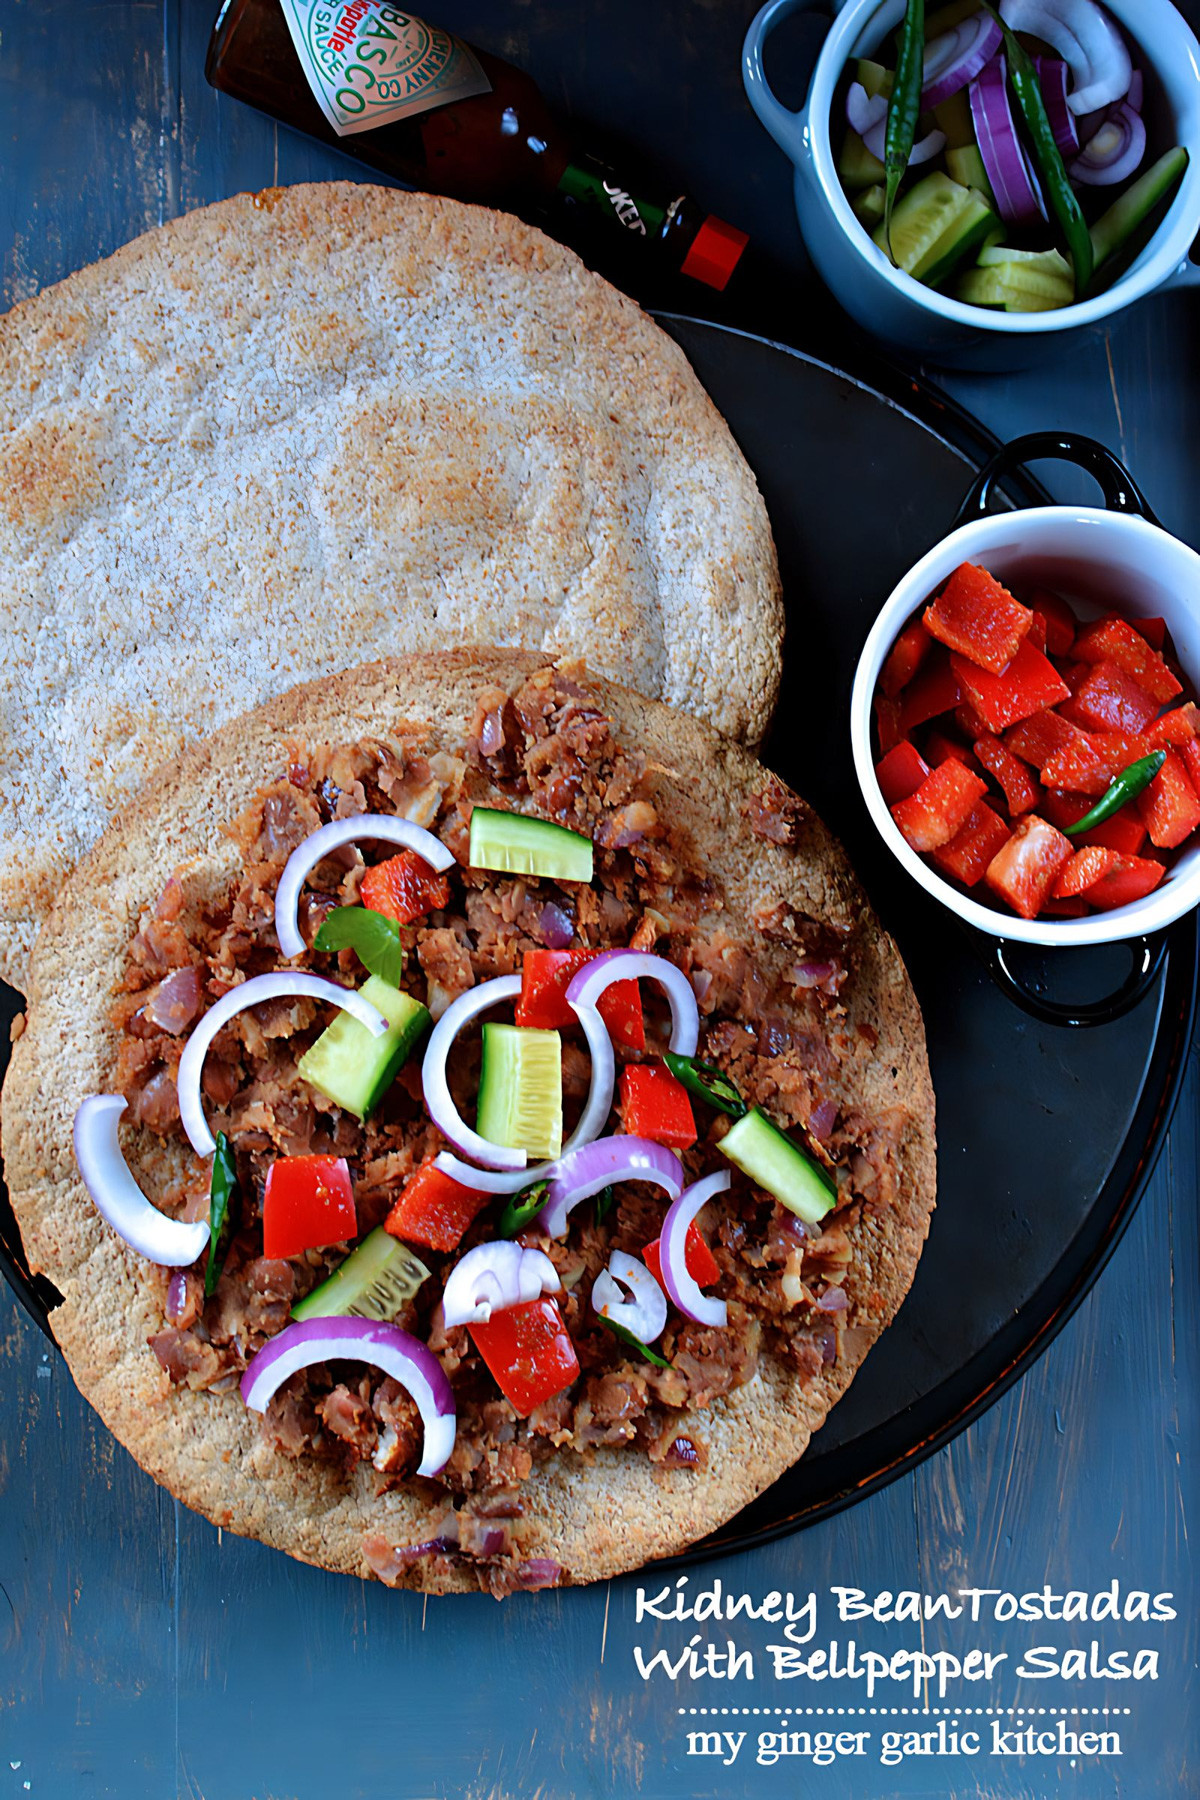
(368,63)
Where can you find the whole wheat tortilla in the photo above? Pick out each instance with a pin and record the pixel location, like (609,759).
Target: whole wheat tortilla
(599,1517)
(306,428)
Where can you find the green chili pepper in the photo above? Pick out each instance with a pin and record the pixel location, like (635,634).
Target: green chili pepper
(904,108)
(707,1081)
(1027,91)
(634,1343)
(604,1200)
(522,1209)
(1126,786)
(222,1210)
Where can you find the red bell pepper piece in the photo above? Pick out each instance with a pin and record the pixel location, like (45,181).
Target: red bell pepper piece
(1115,640)
(434,1209)
(1124,832)
(1153,630)
(1021,791)
(404,888)
(308,1203)
(1024,871)
(1058,620)
(1036,739)
(1189,755)
(901,772)
(1177,727)
(969,852)
(1088,766)
(1074,908)
(1084,870)
(888,728)
(1029,684)
(1136,877)
(940,807)
(698,1259)
(529,1352)
(938,747)
(545,977)
(978,617)
(1107,699)
(969,722)
(1037,632)
(655,1105)
(905,658)
(935,690)
(1170,806)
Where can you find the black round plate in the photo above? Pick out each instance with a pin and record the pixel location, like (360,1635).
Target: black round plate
(1046,1134)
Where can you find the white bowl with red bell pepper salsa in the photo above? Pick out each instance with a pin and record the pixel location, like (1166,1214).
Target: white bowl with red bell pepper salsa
(1025,726)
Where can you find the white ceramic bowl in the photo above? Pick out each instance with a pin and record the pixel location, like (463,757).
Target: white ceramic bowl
(1102,562)
(905,312)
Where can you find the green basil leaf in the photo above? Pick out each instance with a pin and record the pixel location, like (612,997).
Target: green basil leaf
(374,938)
(634,1343)
(522,1210)
(223,1210)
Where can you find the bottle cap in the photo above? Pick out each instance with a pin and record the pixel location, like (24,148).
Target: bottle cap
(714,252)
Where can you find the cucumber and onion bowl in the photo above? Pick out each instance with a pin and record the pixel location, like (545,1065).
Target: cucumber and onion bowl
(1026,170)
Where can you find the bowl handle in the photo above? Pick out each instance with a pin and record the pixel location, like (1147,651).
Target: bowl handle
(1185,276)
(1146,959)
(789,129)
(1121,492)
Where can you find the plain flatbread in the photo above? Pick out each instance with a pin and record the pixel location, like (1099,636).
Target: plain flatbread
(303,429)
(597,1518)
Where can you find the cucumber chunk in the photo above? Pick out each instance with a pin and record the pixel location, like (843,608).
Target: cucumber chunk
(874,78)
(520,1089)
(976,227)
(869,206)
(374,1282)
(773,1160)
(966,165)
(947,17)
(1019,280)
(936,226)
(353,1068)
(1116,226)
(856,165)
(519,845)
(953,116)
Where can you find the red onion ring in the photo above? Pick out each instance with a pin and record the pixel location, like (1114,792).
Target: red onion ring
(497,1157)
(1087,40)
(590,1167)
(1052,79)
(494,1276)
(300,864)
(555,925)
(682,1287)
(957,56)
(1115,153)
(396,1352)
(1013,182)
(643,1311)
(284,984)
(117,1196)
(586,987)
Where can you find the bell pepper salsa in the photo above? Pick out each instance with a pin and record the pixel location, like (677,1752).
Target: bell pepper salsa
(1002,720)
(529,1353)
(434,1209)
(308,1204)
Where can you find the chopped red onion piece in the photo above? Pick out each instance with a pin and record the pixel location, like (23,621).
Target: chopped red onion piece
(539,1572)
(833,1300)
(829,1345)
(1087,40)
(284,984)
(176,1298)
(117,1196)
(1013,182)
(1052,79)
(680,1284)
(586,987)
(1115,153)
(956,57)
(589,1167)
(643,1309)
(381,826)
(494,1276)
(812,974)
(396,1352)
(555,926)
(822,1120)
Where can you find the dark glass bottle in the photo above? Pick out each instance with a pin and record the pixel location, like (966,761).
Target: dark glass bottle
(422,106)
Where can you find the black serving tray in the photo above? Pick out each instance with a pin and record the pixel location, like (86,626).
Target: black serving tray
(1047,1134)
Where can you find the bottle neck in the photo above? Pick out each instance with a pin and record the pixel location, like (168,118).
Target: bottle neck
(588,182)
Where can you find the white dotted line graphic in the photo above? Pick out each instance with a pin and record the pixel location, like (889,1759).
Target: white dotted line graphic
(907,1712)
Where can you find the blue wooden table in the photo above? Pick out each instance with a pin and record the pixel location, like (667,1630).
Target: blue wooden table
(145,1656)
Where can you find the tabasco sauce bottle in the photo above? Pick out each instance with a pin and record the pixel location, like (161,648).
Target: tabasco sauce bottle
(418,103)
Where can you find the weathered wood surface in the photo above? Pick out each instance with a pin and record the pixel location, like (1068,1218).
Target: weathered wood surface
(143,1655)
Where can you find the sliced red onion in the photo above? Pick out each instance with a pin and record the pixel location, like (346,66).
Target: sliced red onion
(956,57)
(833,1300)
(555,926)
(589,1167)
(682,1287)
(1013,181)
(1052,79)
(586,987)
(821,1122)
(1087,40)
(1115,152)
(1136,94)
(868,116)
(494,1276)
(284,984)
(539,1572)
(396,1352)
(176,1298)
(444,1113)
(304,859)
(117,1196)
(643,1310)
